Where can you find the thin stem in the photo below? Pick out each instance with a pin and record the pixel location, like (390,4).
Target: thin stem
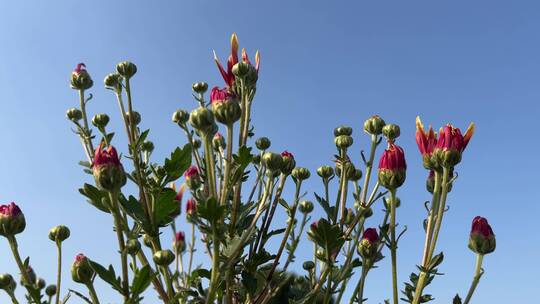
(393,245)
(13,298)
(296,241)
(92,292)
(191,249)
(24,272)
(156,282)
(430,223)
(359,290)
(210,172)
(59,274)
(215,266)
(477,274)
(121,244)
(87,139)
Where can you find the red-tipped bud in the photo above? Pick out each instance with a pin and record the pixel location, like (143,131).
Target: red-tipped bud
(482,239)
(12,220)
(288,162)
(368,247)
(179,242)
(392,167)
(81,271)
(107,169)
(451,144)
(426,141)
(225,106)
(191,208)
(80,79)
(193,178)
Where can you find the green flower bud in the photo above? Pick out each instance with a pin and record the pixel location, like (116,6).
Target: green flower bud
(368,246)
(163,257)
(12,220)
(482,239)
(147,146)
(202,120)
(241,69)
(147,240)
(355,174)
(225,106)
(74,114)
(180,117)
(126,69)
(300,173)
(41,283)
(133,246)
(107,169)
(80,79)
(136,117)
(364,212)
(391,132)
(81,271)
(59,233)
(288,162)
(308,265)
(343,141)
(6,281)
(306,207)
(272,161)
(113,81)
(50,290)
(374,125)
(388,200)
(325,172)
(100,121)
(262,143)
(200,87)
(196,144)
(342,130)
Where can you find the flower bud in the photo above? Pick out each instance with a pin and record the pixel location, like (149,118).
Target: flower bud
(81,271)
(41,283)
(133,246)
(262,143)
(325,172)
(179,242)
(388,201)
(200,87)
(391,132)
(126,69)
(6,281)
(113,81)
(368,246)
(300,173)
(225,106)
(12,220)
(272,161)
(74,114)
(426,141)
(202,120)
(163,257)
(354,174)
(107,169)
(308,265)
(192,177)
(451,144)
(481,240)
(147,240)
(147,146)
(343,141)
(59,233)
(342,130)
(362,210)
(136,118)
(241,69)
(31,276)
(180,117)
(374,125)
(196,144)
(80,79)
(392,167)
(191,208)
(50,290)
(306,207)
(100,121)
(288,162)
(218,142)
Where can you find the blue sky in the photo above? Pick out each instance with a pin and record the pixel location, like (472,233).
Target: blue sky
(323,64)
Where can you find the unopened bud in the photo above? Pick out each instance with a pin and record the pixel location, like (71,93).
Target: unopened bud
(12,220)
(59,233)
(80,79)
(113,81)
(218,142)
(6,281)
(306,207)
(308,265)
(180,117)
(81,271)
(262,143)
(391,132)
(343,141)
(126,69)
(136,118)
(163,257)
(133,246)
(272,161)
(241,69)
(300,173)
(147,146)
(100,121)
(74,114)
(374,125)
(288,162)
(342,130)
(50,290)
(200,87)
(202,120)
(325,172)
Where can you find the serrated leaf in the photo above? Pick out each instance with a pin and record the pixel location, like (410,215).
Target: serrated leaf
(327,236)
(96,197)
(142,279)
(107,275)
(178,163)
(166,206)
(210,210)
(249,282)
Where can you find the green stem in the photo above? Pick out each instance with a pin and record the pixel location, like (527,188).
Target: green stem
(93,294)
(359,290)
(156,282)
(191,249)
(440,213)
(215,267)
(430,223)
(24,272)
(121,244)
(59,274)
(87,139)
(209,159)
(476,279)
(11,295)
(393,245)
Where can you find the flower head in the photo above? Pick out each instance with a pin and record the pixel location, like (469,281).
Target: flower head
(451,144)
(80,79)
(392,167)
(368,246)
(191,207)
(192,171)
(481,239)
(370,235)
(225,105)
(426,141)
(81,271)
(228,75)
(12,220)
(107,169)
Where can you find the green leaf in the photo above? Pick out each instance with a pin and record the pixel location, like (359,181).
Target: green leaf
(200,273)
(250,282)
(96,197)
(328,236)
(210,210)
(142,279)
(133,208)
(107,275)
(330,211)
(166,206)
(142,138)
(178,163)
(241,160)
(435,261)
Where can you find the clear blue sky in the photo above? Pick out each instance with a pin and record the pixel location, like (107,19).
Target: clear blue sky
(323,64)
